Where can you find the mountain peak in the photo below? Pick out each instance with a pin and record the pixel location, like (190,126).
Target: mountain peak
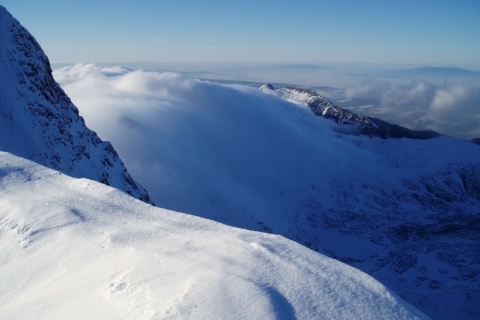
(267,86)
(39,122)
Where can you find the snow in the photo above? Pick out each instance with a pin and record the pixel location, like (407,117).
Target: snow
(403,211)
(39,122)
(77,249)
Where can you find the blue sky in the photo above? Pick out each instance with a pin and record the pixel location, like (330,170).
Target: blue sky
(420,32)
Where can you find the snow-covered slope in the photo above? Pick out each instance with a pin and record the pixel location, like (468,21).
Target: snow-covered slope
(77,249)
(39,122)
(398,209)
(352,122)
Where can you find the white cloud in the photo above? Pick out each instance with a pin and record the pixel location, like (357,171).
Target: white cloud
(449,99)
(208,149)
(420,104)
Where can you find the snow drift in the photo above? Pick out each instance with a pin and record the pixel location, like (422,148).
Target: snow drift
(77,249)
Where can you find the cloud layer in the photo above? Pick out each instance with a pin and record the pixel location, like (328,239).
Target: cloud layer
(233,153)
(206,148)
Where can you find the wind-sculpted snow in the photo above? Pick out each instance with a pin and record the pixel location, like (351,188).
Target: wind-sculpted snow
(396,208)
(77,249)
(39,122)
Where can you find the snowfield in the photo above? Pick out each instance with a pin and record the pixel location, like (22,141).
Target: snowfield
(77,249)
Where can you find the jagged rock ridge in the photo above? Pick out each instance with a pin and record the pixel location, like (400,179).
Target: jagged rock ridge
(38,121)
(321,106)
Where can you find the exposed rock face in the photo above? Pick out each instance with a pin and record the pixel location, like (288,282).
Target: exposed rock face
(39,122)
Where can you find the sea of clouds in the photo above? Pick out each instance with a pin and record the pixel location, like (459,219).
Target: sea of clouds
(205,148)
(224,145)
(233,153)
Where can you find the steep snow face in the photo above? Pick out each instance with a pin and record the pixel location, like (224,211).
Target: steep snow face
(77,249)
(39,122)
(351,122)
(399,209)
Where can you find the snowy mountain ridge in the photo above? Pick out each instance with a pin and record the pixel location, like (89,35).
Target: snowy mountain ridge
(360,124)
(39,122)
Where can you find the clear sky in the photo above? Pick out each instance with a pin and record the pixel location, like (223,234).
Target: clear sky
(422,32)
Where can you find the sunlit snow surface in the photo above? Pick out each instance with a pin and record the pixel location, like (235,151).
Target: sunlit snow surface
(77,249)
